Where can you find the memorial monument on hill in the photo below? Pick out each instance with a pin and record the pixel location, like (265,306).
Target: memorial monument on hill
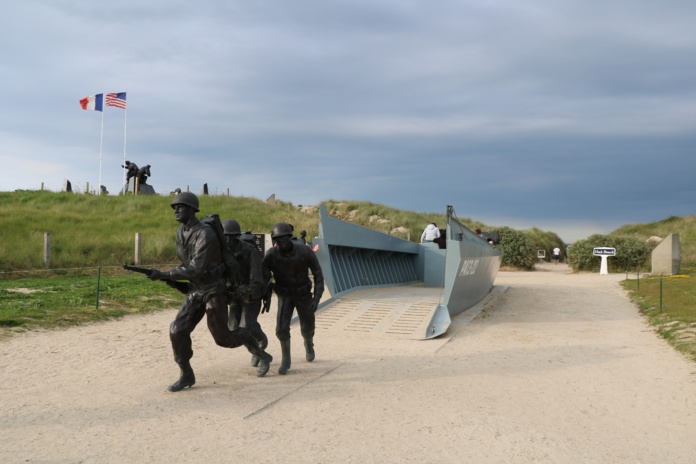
(136,179)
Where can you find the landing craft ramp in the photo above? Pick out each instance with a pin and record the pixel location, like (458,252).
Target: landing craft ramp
(398,312)
(380,284)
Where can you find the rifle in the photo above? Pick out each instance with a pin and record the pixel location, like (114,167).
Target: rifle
(183,287)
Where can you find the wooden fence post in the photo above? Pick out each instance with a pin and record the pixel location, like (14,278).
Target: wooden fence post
(138,248)
(47,249)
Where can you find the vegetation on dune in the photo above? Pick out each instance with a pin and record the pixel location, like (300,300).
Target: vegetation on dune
(630,253)
(518,249)
(91,230)
(684,226)
(545,241)
(634,244)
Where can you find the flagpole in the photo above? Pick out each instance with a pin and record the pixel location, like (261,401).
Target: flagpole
(124,146)
(101,143)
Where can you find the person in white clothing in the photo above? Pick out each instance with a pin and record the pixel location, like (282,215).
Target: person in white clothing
(430,233)
(556,255)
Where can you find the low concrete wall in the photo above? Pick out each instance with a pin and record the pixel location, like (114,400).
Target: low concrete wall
(666,257)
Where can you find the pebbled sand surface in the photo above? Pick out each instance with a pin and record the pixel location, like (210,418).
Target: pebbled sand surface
(559,368)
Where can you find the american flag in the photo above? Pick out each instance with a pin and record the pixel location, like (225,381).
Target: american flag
(116,99)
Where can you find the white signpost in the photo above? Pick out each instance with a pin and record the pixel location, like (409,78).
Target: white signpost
(604,253)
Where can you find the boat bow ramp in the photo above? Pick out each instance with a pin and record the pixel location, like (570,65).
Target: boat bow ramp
(381,284)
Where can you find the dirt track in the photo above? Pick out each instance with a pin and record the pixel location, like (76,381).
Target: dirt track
(560,368)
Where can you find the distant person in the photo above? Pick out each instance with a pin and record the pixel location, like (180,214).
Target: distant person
(303,237)
(483,237)
(430,233)
(442,239)
(556,255)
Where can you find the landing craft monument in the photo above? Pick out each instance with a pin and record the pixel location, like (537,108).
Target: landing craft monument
(383,283)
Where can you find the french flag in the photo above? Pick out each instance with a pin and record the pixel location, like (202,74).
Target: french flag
(95,102)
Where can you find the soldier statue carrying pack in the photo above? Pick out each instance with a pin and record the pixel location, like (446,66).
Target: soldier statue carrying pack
(247,287)
(202,269)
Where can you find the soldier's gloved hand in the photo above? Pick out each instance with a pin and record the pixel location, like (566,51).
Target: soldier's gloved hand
(266,305)
(314,306)
(157,275)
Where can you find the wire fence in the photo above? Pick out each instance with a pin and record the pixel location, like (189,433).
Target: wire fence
(94,271)
(668,289)
(64,270)
(57,270)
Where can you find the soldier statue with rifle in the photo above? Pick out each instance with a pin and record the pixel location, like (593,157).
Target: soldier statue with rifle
(202,271)
(247,286)
(131,170)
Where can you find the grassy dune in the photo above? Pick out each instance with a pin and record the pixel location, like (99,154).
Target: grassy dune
(684,226)
(90,230)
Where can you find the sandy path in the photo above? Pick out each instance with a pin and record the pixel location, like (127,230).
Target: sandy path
(559,368)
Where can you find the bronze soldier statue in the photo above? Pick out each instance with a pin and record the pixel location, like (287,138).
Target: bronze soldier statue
(247,287)
(131,170)
(290,263)
(203,268)
(143,174)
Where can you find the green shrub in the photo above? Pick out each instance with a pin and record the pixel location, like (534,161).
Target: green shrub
(518,250)
(629,253)
(546,241)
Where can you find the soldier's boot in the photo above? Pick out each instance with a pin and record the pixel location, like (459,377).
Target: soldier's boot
(186,379)
(263,343)
(309,349)
(285,363)
(264,364)
(264,358)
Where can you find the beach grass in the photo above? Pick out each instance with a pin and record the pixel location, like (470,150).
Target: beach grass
(76,298)
(669,304)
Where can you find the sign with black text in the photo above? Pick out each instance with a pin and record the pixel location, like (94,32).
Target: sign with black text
(604,251)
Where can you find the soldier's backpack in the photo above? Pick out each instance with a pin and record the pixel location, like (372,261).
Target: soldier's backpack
(228,260)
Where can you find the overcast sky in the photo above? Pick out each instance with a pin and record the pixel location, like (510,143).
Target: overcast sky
(572,116)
